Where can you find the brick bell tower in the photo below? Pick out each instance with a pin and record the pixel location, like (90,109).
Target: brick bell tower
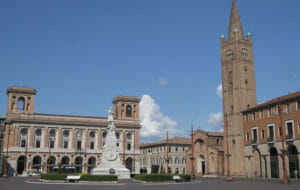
(239,92)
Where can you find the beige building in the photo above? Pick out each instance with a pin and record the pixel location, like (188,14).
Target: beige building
(239,92)
(42,141)
(154,156)
(263,133)
(208,154)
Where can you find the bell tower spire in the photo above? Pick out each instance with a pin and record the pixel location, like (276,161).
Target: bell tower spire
(235,26)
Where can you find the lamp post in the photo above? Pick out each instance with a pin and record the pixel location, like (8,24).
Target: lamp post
(6,157)
(284,180)
(167,160)
(192,156)
(228,176)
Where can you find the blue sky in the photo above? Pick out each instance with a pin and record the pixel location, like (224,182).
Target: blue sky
(79,55)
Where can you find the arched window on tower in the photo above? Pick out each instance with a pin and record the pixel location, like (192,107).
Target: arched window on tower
(21,104)
(128,111)
(229,55)
(244,54)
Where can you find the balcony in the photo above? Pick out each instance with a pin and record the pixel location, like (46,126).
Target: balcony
(289,137)
(254,142)
(270,140)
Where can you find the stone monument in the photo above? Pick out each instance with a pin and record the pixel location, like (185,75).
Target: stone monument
(111,163)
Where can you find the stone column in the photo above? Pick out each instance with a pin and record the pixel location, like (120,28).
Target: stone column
(268,158)
(280,163)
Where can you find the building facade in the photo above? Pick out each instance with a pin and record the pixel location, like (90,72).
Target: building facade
(271,131)
(238,84)
(154,156)
(42,142)
(208,154)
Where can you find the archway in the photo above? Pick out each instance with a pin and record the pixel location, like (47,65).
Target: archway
(21,164)
(51,163)
(293,161)
(257,163)
(274,163)
(201,165)
(91,164)
(129,164)
(78,164)
(37,163)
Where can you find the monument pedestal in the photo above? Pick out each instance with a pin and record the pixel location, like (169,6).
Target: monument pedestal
(111,162)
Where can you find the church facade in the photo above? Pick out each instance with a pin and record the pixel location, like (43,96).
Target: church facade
(43,142)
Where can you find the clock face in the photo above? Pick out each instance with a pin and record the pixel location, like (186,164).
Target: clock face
(111,155)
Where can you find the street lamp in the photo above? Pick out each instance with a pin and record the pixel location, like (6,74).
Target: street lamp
(6,157)
(284,180)
(228,176)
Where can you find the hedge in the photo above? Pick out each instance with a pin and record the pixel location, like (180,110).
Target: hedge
(83,177)
(160,177)
(54,176)
(154,177)
(185,177)
(98,178)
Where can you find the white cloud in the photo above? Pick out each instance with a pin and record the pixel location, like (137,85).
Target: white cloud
(219,91)
(215,121)
(154,122)
(162,81)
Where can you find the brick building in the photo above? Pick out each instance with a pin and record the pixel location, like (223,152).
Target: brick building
(154,156)
(208,157)
(42,141)
(264,127)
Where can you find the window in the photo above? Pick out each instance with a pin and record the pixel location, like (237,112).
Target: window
(253,116)
(298,105)
(254,135)
(262,134)
(246,117)
(269,112)
(37,138)
(230,74)
(128,111)
(288,108)
(247,137)
(231,109)
(261,114)
(230,84)
(92,145)
(289,130)
(37,144)
(51,144)
(78,145)
(23,143)
(246,69)
(217,141)
(229,55)
(176,149)
(103,138)
(66,144)
(246,82)
(244,54)
(271,133)
(233,141)
(299,129)
(21,104)
(169,149)
(128,146)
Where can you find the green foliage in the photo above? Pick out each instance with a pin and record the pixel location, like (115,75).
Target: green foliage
(154,177)
(54,176)
(185,177)
(98,178)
